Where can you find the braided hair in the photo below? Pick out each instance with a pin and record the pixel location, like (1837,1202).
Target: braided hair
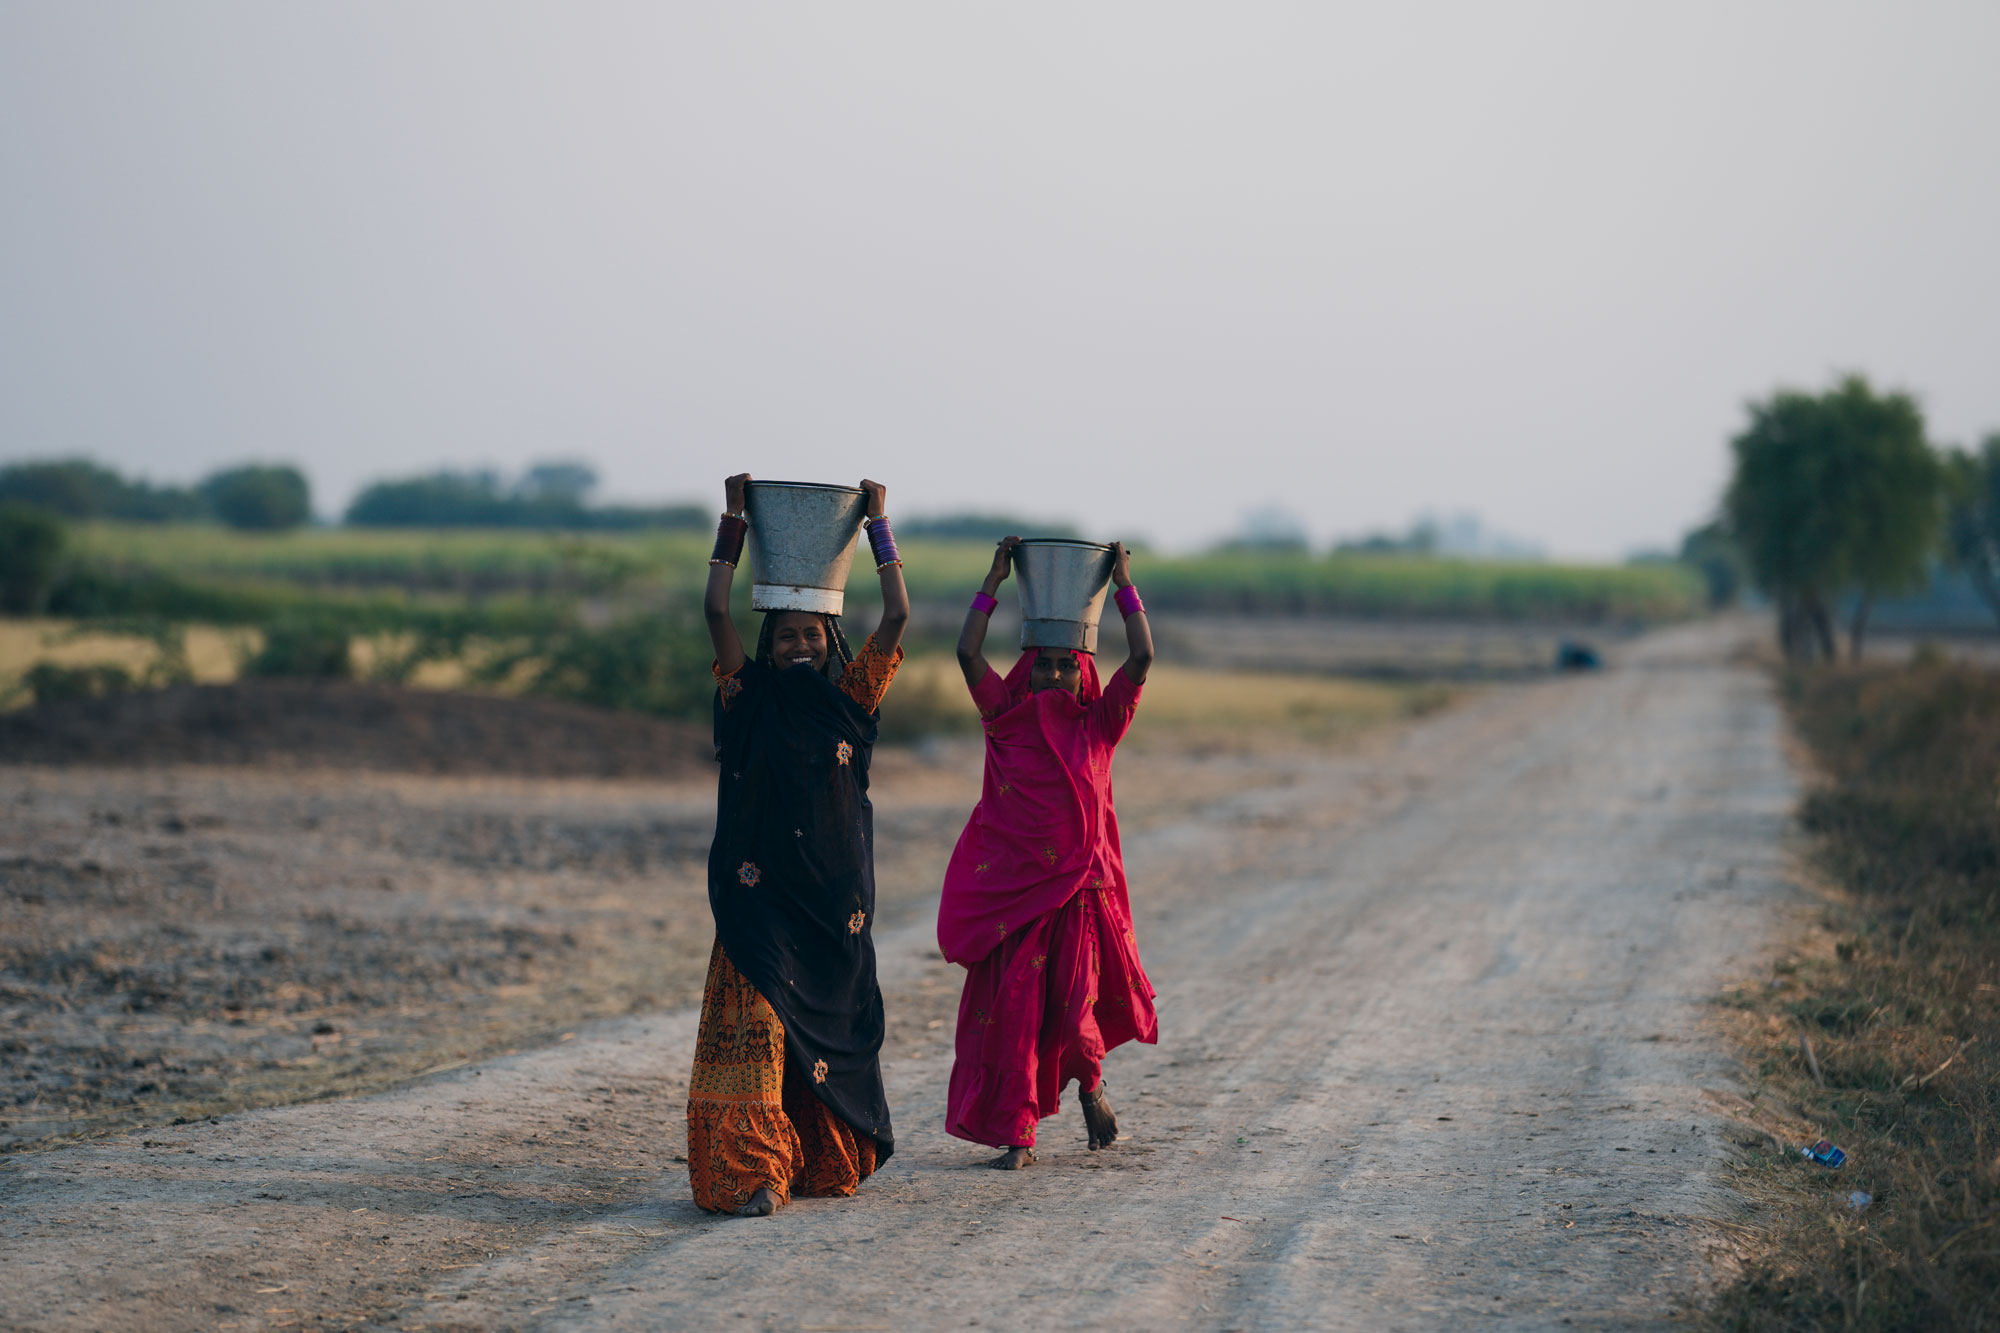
(838,654)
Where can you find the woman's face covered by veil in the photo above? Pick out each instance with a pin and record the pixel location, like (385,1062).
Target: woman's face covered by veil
(1056,669)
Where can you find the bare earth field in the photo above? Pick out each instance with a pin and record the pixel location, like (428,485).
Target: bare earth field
(1430,997)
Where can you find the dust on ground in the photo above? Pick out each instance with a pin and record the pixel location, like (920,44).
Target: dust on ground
(346,725)
(182,938)
(1434,1049)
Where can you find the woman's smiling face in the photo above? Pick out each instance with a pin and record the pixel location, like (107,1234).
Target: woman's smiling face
(799,639)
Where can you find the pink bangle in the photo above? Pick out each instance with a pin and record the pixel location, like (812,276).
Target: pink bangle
(983,604)
(1128,601)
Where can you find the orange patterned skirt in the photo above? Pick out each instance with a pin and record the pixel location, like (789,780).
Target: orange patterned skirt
(753,1122)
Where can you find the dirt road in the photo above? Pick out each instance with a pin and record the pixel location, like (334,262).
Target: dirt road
(1435,1050)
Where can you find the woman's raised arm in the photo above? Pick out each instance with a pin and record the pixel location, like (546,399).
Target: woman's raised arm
(1138,634)
(972,638)
(722,633)
(889,566)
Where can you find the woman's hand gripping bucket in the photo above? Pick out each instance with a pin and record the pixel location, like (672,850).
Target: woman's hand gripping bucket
(1062,585)
(801,544)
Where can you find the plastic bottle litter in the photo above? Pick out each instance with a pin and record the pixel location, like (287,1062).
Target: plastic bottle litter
(1825,1154)
(1859,1199)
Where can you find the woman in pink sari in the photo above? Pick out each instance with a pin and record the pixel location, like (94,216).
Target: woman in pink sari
(1034,902)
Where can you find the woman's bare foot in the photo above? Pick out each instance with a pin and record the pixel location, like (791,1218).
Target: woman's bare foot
(1098,1118)
(1013,1159)
(762,1204)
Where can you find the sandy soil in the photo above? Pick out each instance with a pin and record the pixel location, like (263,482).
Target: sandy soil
(350,725)
(181,941)
(1428,1005)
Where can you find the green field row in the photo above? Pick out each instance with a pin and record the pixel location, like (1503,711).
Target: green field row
(513,563)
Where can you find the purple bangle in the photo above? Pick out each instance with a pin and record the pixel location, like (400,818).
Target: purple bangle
(729,541)
(983,604)
(882,541)
(1128,601)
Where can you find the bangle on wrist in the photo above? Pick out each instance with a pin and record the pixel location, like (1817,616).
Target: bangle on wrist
(882,540)
(729,540)
(984,602)
(1128,601)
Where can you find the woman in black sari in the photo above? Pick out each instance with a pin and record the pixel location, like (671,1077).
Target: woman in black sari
(786,1096)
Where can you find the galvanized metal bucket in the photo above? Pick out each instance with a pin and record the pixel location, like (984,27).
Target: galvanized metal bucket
(1062,586)
(801,544)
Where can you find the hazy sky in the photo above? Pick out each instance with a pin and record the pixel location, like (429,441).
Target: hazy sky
(1144,265)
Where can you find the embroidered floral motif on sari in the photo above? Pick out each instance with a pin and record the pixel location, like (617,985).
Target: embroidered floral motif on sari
(752,1124)
(760,1116)
(1035,908)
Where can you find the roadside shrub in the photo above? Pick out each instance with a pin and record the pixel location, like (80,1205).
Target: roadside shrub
(47,682)
(31,547)
(88,589)
(649,664)
(302,646)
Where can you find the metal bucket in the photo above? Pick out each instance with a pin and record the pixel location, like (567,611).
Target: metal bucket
(801,544)
(1062,586)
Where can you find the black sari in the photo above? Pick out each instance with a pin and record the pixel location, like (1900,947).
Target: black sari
(791,878)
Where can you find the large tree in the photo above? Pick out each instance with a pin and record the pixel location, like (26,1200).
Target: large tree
(1833,493)
(259,498)
(1974,525)
(1710,552)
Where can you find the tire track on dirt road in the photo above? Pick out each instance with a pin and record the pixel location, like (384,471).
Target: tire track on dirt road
(1433,1049)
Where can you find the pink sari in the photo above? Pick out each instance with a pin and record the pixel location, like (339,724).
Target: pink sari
(1035,908)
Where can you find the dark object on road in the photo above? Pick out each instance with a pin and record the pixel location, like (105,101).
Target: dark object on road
(1572,655)
(1825,1154)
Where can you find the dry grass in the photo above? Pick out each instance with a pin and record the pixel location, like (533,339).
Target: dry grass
(1182,706)
(213,654)
(1225,708)
(1886,1041)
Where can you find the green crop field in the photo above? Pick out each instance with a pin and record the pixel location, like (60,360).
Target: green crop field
(454,560)
(487,563)
(612,618)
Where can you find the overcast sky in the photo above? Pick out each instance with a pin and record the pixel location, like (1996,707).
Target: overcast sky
(1147,266)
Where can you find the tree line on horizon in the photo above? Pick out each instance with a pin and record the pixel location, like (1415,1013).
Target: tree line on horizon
(551,496)
(555,496)
(1838,499)
(277,498)
(255,497)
